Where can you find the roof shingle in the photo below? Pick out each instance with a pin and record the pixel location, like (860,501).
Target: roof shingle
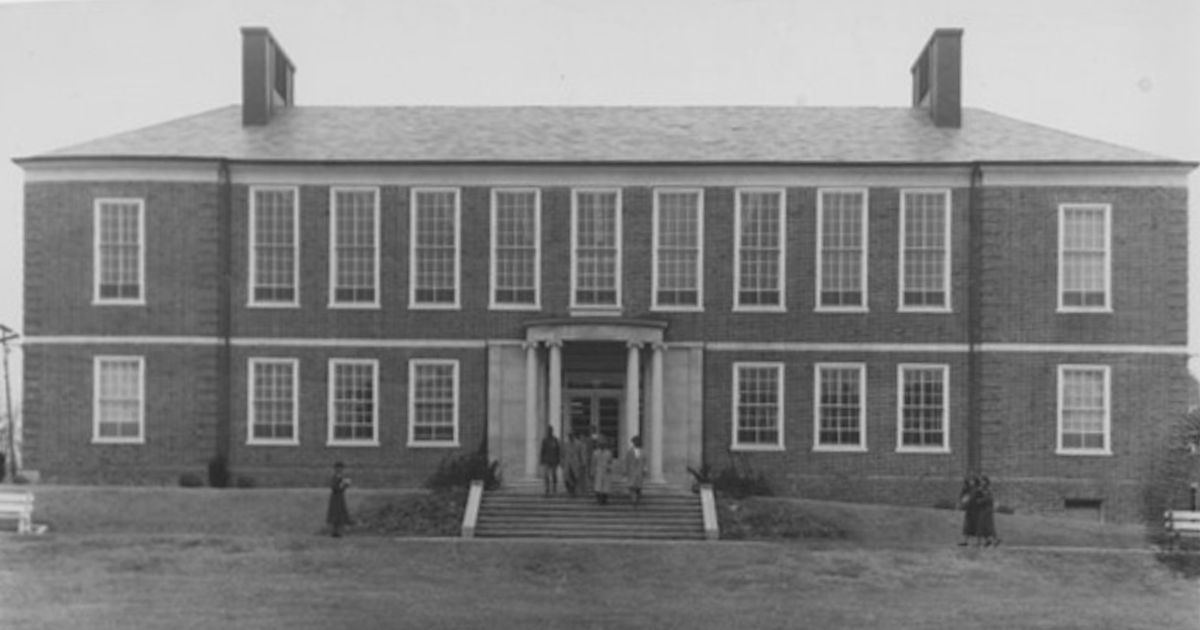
(605,134)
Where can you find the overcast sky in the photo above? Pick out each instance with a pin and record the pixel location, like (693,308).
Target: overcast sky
(1124,71)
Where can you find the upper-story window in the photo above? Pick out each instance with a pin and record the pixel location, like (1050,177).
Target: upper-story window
(354,241)
(925,250)
(1083,410)
(516,248)
(434,267)
(840,402)
(1084,257)
(596,249)
(757,406)
(759,274)
(120,251)
(274,247)
(842,250)
(119,400)
(273,415)
(678,249)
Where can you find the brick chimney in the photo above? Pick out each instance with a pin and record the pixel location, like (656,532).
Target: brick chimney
(937,78)
(267,76)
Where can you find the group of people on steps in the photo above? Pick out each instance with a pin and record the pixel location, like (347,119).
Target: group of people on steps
(588,465)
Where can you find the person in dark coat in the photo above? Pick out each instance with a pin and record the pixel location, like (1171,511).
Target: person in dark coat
(985,502)
(966,503)
(551,457)
(570,446)
(337,515)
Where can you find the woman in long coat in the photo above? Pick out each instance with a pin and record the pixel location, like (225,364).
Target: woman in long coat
(967,503)
(337,515)
(602,471)
(985,500)
(635,469)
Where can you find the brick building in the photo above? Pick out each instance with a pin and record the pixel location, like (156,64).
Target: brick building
(863,303)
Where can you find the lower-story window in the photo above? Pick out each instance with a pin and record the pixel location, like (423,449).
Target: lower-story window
(923,424)
(433,402)
(353,402)
(119,400)
(840,407)
(1083,410)
(273,410)
(757,406)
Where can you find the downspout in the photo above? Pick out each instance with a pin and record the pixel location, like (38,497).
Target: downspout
(224,367)
(975,320)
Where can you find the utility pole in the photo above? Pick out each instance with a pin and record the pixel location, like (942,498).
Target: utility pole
(7,335)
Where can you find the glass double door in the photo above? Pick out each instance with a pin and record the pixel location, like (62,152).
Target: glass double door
(595,412)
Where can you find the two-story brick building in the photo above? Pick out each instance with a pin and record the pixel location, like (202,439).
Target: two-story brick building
(863,303)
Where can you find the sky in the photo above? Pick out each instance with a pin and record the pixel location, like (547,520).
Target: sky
(1123,71)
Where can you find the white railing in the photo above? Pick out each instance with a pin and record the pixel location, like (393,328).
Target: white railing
(471,514)
(708,505)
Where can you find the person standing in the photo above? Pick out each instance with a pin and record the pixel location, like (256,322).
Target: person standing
(635,469)
(966,503)
(337,515)
(602,471)
(551,456)
(985,499)
(569,448)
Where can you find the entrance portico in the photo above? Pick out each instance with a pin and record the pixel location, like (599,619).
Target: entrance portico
(605,375)
(595,339)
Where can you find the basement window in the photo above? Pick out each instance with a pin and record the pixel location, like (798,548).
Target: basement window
(1084,509)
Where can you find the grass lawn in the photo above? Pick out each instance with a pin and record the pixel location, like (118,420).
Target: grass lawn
(254,559)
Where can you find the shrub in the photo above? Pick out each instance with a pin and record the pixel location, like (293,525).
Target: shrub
(438,513)
(458,471)
(21,479)
(190,480)
(739,480)
(700,476)
(772,519)
(242,481)
(218,472)
(1173,468)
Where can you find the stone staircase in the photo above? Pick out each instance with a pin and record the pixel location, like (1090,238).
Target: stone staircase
(521,513)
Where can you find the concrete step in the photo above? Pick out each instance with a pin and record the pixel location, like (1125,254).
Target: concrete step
(524,514)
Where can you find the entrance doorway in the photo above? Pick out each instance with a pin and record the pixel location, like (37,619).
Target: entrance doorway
(595,412)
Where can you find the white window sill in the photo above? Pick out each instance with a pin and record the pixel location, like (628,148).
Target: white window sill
(841,309)
(362,444)
(352,306)
(118,441)
(453,444)
(1079,310)
(935,450)
(118,302)
(273,305)
(759,309)
(515,307)
(677,309)
(758,448)
(839,449)
(272,442)
(433,307)
(929,310)
(1083,452)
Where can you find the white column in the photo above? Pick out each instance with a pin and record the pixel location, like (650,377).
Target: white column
(555,387)
(532,425)
(656,414)
(633,370)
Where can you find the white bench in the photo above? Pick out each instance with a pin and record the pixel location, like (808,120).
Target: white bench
(18,505)
(1179,523)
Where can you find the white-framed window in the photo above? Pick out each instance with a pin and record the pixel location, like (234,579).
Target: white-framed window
(516,248)
(757,406)
(120,260)
(273,407)
(274,246)
(759,276)
(1084,257)
(596,248)
(925,250)
(435,253)
(842,250)
(354,248)
(1084,410)
(119,400)
(840,407)
(353,402)
(433,402)
(922,408)
(678,278)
